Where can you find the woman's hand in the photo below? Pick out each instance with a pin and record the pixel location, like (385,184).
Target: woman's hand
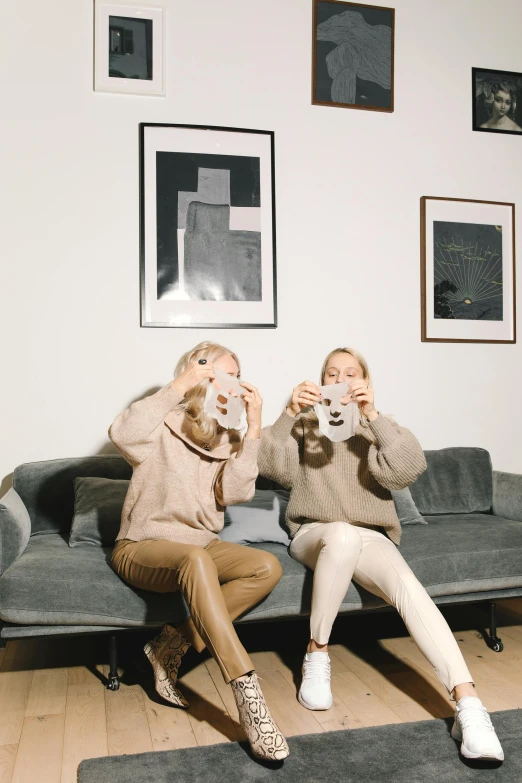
(254,406)
(304,395)
(193,376)
(362,393)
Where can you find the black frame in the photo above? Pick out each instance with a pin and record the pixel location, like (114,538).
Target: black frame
(142,128)
(474,125)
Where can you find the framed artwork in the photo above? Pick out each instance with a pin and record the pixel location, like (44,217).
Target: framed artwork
(208,256)
(353,55)
(129,49)
(497,101)
(467,271)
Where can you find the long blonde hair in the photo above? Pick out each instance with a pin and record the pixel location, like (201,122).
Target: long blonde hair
(202,426)
(362,361)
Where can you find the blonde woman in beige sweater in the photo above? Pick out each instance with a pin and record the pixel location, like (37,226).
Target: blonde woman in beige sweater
(344,526)
(186,469)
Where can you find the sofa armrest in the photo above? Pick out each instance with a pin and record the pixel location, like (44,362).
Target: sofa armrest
(507,495)
(15,528)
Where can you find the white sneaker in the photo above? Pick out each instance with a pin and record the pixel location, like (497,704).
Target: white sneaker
(315,692)
(473,728)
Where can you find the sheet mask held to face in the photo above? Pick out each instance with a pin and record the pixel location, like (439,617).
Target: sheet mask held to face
(337,421)
(224,402)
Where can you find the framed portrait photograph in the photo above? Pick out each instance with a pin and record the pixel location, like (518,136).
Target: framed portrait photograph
(352,55)
(129,49)
(208,252)
(497,101)
(467,271)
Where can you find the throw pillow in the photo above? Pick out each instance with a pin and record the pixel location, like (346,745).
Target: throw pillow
(406,509)
(97,510)
(261,520)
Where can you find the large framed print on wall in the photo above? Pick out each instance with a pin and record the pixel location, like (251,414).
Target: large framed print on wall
(207,227)
(467,271)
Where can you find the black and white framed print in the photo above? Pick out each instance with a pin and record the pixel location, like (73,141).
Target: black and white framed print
(497,101)
(207,227)
(467,271)
(353,55)
(129,49)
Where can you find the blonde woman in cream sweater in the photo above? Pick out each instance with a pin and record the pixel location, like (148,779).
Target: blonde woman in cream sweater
(186,469)
(344,526)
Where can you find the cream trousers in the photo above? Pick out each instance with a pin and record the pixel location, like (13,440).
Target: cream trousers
(338,552)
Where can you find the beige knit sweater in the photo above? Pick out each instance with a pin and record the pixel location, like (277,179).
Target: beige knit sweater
(347,481)
(179,490)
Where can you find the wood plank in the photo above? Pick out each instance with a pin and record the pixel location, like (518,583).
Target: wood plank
(7,762)
(198,679)
(14,694)
(40,751)
(282,702)
(170,727)
(85,728)
(48,692)
(127,724)
(81,675)
(210,720)
(369,709)
(225,692)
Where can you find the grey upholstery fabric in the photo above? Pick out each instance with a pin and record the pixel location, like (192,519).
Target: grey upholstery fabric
(457,481)
(54,584)
(406,509)
(47,488)
(452,554)
(15,528)
(507,495)
(97,510)
(263,519)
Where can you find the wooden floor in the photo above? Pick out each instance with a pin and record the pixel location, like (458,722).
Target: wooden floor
(55,710)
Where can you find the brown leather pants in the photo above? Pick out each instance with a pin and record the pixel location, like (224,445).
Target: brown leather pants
(219,583)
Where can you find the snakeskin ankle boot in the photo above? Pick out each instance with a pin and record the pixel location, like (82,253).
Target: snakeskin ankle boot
(165,653)
(262,732)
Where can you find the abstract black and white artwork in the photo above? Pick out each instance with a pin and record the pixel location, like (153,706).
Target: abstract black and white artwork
(353,55)
(208,227)
(497,101)
(468,270)
(129,49)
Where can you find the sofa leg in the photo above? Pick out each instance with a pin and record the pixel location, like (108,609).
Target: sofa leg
(491,639)
(114,680)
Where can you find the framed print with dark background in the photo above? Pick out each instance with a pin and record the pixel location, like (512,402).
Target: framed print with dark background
(353,55)
(497,101)
(467,271)
(207,227)
(129,49)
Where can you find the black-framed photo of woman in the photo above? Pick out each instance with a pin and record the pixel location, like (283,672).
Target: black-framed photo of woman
(497,101)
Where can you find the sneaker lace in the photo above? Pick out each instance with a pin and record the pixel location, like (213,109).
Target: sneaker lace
(475,716)
(318,669)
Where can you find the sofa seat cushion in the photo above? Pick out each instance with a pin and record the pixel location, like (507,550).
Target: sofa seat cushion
(54,584)
(452,554)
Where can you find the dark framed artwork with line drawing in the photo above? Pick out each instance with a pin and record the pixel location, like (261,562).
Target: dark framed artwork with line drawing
(207,227)
(353,55)
(467,271)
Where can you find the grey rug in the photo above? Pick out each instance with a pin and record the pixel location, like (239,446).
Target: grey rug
(420,752)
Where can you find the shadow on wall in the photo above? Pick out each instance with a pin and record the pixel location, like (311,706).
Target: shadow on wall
(106,448)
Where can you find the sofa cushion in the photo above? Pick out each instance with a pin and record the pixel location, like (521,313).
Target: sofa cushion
(47,488)
(262,519)
(97,510)
(452,554)
(15,528)
(405,507)
(54,584)
(457,481)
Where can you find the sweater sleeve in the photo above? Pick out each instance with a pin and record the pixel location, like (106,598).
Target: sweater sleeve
(236,482)
(279,450)
(135,431)
(396,459)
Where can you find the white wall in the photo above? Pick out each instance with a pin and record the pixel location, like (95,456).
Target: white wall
(348,185)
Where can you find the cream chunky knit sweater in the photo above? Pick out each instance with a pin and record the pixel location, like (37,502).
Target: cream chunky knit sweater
(348,481)
(179,490)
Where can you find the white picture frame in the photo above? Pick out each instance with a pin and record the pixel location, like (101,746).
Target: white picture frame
(468,271)
(129,49)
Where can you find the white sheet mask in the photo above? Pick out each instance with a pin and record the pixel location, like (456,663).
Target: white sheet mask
(337,422)
(224,402)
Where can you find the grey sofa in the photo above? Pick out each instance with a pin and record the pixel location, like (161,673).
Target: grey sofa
(470,550)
